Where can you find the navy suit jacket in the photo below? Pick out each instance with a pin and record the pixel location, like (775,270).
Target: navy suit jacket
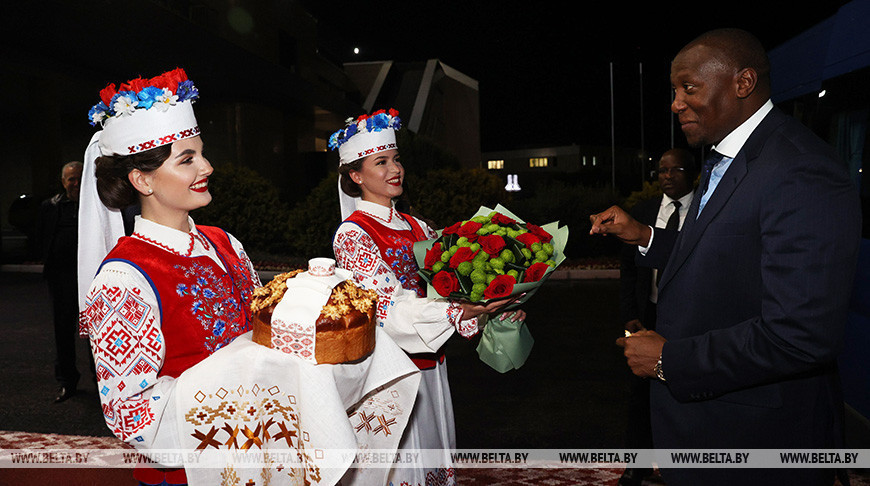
(753,302)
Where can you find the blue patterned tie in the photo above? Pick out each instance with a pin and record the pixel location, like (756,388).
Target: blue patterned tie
(711,161)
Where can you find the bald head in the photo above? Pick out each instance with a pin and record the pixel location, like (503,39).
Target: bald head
(720,79)
(736,49)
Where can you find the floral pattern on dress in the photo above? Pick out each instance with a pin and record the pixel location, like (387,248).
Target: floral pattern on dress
(400,256)
(211,303)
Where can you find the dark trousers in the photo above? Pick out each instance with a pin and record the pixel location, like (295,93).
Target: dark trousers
(638,434)
(64,300)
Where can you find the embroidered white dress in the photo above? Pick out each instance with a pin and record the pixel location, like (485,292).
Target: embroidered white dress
(417,325)
(139,405)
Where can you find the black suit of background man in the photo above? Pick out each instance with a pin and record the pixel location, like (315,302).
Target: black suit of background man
(637,309)
(58,236)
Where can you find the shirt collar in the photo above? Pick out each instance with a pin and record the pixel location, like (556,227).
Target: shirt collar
(685,201)
(733,142)
(169,238)
(377,210)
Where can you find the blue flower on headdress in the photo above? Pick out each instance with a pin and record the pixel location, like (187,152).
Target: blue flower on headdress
(186,90)
(148,96)
(378,122)
(98,113)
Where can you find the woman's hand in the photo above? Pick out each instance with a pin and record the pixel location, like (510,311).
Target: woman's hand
(470,311)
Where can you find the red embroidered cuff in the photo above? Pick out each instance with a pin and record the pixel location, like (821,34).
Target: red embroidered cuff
(83,325)
(466,328)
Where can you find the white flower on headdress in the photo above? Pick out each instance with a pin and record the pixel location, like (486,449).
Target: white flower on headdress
(98,117)
(124,106)
(164,101)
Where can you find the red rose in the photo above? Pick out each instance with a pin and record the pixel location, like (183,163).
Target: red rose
(500,286)
(452,228)
(445,282)
(469,229)
(535,272)
(499,218)
(107,93)
(539,232)
(528,239)
(492,244)
(393,113)
(463,254)
(433,255)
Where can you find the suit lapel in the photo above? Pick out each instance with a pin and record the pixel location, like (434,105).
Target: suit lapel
(693,228)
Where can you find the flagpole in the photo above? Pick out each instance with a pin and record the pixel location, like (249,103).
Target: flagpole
(612,134)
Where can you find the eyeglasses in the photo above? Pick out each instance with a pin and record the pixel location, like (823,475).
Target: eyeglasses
(673,170)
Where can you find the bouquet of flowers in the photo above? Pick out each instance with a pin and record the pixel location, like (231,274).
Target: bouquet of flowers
(493,255)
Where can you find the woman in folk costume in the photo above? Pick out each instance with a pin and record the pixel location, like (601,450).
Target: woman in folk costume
(171,294)
(375,242)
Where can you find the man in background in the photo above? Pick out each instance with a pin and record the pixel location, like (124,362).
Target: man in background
(638,288)
(58,236)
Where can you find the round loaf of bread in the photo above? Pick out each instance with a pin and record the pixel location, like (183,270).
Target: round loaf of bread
(343,332)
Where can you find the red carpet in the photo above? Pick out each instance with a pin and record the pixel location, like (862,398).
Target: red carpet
(122,476)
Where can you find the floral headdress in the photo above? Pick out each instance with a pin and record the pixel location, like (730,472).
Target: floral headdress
(142,114)
(366,135)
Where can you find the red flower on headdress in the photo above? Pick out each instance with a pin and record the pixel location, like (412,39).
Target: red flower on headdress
(135,85)
(170,79)
(393,113)
(107,93)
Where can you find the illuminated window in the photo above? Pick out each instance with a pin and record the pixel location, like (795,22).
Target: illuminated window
(538,162)
(495,164)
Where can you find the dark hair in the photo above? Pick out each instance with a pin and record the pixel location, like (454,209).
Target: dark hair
(348,186)
(113,185)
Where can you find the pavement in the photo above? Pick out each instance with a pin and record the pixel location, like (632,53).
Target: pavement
(571,393)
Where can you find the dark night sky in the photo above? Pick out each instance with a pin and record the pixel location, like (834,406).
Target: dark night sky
(544,70)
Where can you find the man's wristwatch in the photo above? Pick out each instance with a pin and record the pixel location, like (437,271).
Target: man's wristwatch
(658,369)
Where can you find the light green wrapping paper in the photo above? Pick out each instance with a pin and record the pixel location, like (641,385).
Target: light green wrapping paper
(505,344)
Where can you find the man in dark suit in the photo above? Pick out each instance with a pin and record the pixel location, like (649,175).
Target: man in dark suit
(58,236)
(676,174)
(753,300)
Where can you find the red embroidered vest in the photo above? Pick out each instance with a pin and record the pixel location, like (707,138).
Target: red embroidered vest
(202,307)
(396,247)
(397,250)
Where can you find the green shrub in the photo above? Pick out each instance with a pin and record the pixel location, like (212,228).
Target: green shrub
(444,196)
(311,224)
(246,205)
